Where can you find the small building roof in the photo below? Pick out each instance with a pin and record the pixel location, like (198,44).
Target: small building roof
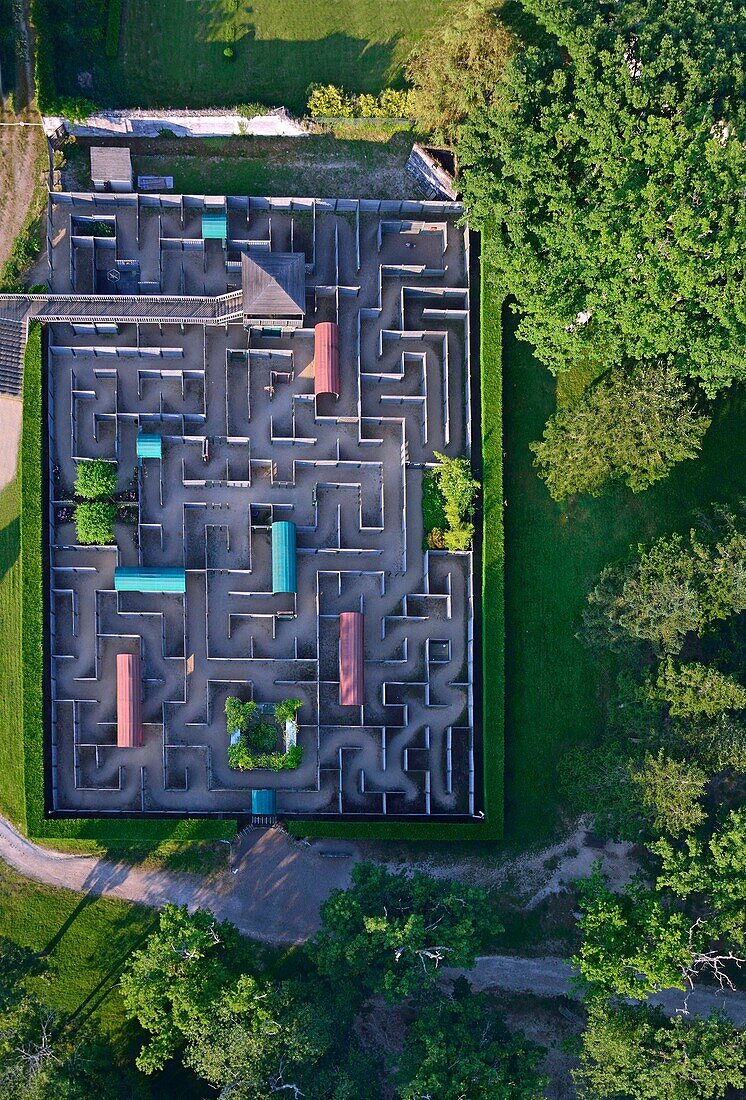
(284,569)
(351,659)
(214,225)
(128,579)
(111,162)
(274,284)
(129,701)
(149,446)
(326,358)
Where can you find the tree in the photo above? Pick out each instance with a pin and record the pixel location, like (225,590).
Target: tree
(598,781)
(633,945)
(632,425)
(287,1038)
(608,171)
(389,933)
(713,874)
(169,986)
(674,587)
(458,489)
(94,522)
(695,690)
(636,1052)
(671,791)
(238,715)
(96,479)
(456,67)
(459,1047)
(287,710)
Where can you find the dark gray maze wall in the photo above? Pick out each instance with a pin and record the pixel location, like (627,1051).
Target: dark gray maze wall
(246,442)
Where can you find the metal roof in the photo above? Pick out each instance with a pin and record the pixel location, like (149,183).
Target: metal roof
(215,225)
(284,569)
(326,358)
(274,284)
(129,701)
(149,580)
(351,659)
(111,162)
(149,446)
(264,802)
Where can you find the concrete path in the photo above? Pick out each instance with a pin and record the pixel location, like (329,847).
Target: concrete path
(275,894)
(551,977)
(11,415)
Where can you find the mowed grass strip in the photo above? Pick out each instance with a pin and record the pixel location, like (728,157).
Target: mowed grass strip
(86,941)
(553,556)
(171,54)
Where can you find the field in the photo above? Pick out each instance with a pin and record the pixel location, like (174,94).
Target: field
(553,555)
(171,51)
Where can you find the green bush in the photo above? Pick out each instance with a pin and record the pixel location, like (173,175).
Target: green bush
(96,479)
(238,715)
(94,522)
(241,757)
(287,710)
(329,101)
(262,737)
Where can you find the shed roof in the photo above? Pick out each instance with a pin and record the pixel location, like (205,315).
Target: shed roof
(111,162)
(149,446)
(264,802)
(274,284)
(129,701)
(214,225)
(127,579)
(351,659)
(284,568)
(326,358)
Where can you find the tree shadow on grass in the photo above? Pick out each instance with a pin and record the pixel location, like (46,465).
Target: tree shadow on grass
(10,545)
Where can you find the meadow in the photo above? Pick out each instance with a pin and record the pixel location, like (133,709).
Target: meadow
(553,554)
(171,52)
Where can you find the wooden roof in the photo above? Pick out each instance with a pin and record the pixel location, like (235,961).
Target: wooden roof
(274,284)
(110,162)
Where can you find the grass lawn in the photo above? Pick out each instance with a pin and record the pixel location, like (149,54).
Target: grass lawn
(303,167)
(87,941)
(171,51)
(11,751)
(553,555)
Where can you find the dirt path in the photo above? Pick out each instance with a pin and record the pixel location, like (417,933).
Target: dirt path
(11,414)
(275,894)
(551,977)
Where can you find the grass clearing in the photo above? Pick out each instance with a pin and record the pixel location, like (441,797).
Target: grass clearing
(171,54)
(553,556)
(86,940)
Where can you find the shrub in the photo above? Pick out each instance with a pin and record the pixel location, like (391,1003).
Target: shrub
(94,521)
(241,757)
(96,479)
(449,489)
(238,715)
(326,100)
(228,53)
(262,736)
(436,539)
(287,710)
(459,538)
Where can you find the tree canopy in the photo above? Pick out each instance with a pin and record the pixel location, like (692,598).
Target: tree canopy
(609,171)
(632,425)
(635,1052)
(389,933)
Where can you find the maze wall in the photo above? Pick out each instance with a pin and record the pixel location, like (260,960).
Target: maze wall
(246,442)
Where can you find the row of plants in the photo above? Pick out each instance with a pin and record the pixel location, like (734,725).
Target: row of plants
(448,499)
(95,511)
(331,101)
(255,737)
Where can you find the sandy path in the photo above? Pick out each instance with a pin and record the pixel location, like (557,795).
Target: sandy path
(275,894)
(11,412)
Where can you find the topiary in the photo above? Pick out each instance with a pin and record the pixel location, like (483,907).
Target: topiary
(94,522)
(95,479)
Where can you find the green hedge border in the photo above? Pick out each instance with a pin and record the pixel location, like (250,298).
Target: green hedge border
(112,830)
(493,617)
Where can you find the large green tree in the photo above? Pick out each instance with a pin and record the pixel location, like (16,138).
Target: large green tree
(389,933)
(609,170)
(632,425)
(635,1052)
(459,1047)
